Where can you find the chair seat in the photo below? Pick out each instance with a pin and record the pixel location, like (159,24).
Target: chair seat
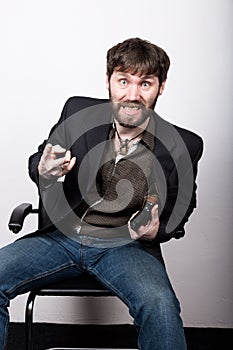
(83,285)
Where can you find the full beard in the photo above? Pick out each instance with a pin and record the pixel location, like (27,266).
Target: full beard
(128,120)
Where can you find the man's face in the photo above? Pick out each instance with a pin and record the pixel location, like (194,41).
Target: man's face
(133,97)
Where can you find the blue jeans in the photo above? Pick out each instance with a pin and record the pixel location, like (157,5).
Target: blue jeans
(134,275)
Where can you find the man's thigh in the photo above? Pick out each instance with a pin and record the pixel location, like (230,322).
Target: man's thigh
(130,270)
(32,262)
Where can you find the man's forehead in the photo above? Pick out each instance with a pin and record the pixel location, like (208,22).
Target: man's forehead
(137,74)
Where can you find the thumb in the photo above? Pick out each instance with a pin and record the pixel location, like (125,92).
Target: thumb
(71,164)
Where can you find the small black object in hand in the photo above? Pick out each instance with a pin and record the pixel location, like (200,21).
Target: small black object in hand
(142,218)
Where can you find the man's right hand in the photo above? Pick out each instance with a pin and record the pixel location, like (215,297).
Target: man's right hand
(53,164)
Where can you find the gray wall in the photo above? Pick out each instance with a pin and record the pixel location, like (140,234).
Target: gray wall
(51,50)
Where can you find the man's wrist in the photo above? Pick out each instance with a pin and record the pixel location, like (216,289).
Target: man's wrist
(45,182)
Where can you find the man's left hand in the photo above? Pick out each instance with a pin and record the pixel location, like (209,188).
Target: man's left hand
(150,230)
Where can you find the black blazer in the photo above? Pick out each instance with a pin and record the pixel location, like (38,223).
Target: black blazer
(83,128)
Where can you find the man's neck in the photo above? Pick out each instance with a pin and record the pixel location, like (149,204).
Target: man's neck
(129,133)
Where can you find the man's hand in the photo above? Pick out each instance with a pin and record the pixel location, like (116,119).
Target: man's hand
(53,165)
(150,230)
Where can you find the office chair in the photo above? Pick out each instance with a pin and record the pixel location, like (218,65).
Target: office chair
(84,285)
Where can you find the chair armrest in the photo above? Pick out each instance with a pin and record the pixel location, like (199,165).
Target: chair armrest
(18,215)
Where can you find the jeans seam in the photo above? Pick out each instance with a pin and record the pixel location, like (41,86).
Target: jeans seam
(45,274)
(114,290)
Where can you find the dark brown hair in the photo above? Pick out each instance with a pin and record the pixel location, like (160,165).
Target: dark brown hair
(138,56)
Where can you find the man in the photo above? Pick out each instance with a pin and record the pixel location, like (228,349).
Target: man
(102,164)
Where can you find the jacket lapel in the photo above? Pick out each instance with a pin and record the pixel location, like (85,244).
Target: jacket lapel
(96,139)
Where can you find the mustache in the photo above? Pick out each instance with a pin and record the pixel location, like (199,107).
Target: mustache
(131,104)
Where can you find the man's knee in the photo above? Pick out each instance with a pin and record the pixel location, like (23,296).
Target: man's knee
(157,304)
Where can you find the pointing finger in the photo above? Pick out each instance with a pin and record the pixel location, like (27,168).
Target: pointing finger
(48,149)
(57,149)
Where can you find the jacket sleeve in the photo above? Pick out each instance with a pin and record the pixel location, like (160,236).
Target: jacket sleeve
(164,235)
(179,230)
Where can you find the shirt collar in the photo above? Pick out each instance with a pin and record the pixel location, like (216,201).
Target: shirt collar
(148,136)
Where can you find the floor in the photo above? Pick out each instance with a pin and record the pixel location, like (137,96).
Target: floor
(49,336)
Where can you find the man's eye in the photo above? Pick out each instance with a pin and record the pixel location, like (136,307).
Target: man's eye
(145,84)
(123,82)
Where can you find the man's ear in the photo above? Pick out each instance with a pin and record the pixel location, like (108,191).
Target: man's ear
(107,82)
(162,87)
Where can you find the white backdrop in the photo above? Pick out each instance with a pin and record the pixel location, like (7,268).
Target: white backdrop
(54,49)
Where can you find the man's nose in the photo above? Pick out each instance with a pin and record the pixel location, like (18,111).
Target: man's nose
(133,93)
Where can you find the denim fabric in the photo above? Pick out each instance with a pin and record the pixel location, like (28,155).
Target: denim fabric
(128,270)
